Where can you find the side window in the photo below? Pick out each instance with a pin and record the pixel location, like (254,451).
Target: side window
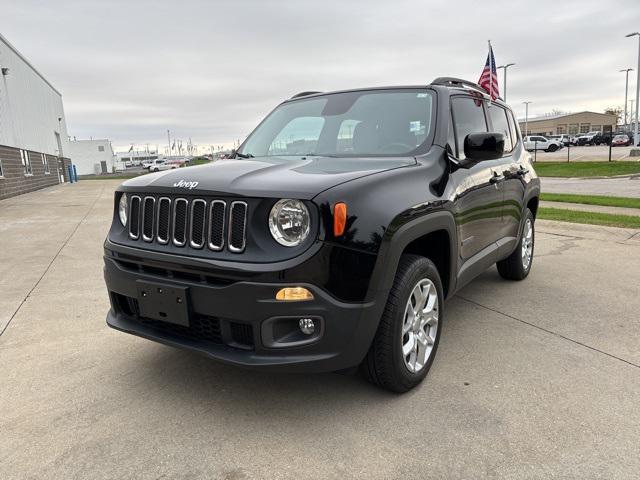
(1,170)
(500,124)
(468,117)
(513,128)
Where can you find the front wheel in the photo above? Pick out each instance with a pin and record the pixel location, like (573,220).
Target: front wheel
(518,265)
(552,148)
(405,344)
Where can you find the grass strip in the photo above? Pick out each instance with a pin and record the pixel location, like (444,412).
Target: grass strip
(592,218)
(586,169)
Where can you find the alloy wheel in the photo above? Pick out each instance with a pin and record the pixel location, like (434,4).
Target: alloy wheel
(420,325)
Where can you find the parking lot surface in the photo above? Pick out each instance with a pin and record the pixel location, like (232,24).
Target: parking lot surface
(616,187)
(585,153)
(536,379)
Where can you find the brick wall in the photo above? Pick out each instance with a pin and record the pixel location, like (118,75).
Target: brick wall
(15,182)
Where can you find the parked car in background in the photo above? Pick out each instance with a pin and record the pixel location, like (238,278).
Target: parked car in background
(538,142)
(563,139)
(158,165)
(621,140)
(573,139)
(586,138)
(601,139)
(146,163)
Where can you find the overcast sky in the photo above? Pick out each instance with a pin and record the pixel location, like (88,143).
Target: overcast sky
(210,70)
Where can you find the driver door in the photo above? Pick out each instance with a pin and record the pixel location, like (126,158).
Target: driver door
(478,196)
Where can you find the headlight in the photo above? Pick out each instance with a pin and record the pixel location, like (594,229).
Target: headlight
(123,209)
(289,222)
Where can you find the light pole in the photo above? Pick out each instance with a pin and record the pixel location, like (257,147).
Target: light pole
(635,128)
(626,92)
(504,83)
(526,118)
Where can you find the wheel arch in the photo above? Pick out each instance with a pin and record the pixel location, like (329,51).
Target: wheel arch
(433,236)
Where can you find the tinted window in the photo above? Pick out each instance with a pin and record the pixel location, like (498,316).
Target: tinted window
(468,117)
(500,124)
(362,123)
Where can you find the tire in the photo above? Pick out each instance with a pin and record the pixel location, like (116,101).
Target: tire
(552,148)
(385,364)
(516,266)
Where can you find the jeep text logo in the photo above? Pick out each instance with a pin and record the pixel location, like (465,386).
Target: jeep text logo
(185,184)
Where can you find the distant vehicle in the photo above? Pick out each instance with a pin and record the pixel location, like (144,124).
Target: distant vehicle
(538,142)
(587,138)
(158,165)
(564,139)
(621,141)
(601,139)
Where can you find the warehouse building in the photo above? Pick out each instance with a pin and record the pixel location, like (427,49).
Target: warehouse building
(92,157)
(570,123)
(33,133)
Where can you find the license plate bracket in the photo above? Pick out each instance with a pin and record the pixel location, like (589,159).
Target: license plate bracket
(163,302)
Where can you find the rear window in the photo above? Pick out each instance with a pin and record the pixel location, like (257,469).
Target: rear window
(500,124)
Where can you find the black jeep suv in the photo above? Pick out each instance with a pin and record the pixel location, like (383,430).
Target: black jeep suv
(334,235)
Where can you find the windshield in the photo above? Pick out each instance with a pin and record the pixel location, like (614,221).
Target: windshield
(365,123)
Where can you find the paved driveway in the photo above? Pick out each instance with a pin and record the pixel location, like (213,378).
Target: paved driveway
(617,187)
(538,379)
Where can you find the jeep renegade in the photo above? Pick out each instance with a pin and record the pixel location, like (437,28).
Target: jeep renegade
(332,237)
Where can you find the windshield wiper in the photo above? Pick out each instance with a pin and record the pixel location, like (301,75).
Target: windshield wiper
(243,155)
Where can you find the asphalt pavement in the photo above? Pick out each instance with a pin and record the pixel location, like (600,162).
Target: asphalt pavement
(533,379)
(628,186)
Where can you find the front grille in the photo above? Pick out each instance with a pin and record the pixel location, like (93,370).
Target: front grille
(195,223)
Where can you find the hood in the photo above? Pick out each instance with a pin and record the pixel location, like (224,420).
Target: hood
(265,176)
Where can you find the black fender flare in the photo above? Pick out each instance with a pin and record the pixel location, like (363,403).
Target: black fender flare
(391,249)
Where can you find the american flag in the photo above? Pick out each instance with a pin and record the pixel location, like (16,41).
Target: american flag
(489,77)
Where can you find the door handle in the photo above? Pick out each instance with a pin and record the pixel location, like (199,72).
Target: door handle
(496,178)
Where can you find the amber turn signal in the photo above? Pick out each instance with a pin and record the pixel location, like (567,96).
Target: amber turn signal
(339,218)
(292,294)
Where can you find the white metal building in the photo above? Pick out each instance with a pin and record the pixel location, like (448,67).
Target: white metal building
(34,147)
(92,157)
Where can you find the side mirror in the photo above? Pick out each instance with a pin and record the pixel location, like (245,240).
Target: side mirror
(483,146)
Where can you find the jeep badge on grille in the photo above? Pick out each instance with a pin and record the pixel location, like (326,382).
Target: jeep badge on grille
(185,184)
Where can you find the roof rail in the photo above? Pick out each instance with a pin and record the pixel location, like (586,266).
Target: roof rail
(458,82)
(303,94)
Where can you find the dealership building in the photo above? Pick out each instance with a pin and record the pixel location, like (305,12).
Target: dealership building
(34,147)
(570,123)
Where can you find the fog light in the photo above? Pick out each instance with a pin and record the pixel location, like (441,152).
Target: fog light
(307,326)
(292,294)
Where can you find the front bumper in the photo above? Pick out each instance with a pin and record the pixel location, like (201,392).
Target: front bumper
(236,318)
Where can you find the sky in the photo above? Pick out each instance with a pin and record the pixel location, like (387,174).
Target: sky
(211,70)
